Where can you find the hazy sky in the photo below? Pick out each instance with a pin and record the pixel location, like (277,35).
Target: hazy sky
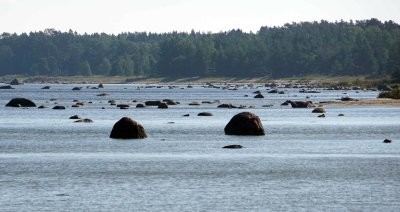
(115,16)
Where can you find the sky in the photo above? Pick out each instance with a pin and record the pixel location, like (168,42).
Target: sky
(116,16)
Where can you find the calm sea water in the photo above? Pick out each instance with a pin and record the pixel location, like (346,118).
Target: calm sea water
(304,163)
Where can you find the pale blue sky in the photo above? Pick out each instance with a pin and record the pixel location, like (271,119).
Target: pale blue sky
(115,16)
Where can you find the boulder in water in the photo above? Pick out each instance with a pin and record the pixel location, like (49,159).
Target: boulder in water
(205,114)
(244,123)
(233,146)
(319,110)
(6,87)
(20,102)
(259,96)
(126,128)
(84,121)
(16,82)
(59,107)
(163,105)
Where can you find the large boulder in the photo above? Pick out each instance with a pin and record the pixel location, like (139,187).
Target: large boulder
(16,82)
(6,87)
(244,123)
(20,102)
(126,128)
(319,110)
(152,103)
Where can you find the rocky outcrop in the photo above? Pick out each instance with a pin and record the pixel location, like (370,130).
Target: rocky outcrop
(20,102)
(244,123)
(126,128)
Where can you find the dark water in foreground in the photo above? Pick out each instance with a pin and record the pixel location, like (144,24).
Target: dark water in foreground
(304,163)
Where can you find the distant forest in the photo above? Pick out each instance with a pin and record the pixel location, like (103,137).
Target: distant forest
(367,47)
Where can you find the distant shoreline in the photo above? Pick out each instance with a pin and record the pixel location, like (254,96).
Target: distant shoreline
(321,80)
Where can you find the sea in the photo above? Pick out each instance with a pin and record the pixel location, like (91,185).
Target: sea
(303,163)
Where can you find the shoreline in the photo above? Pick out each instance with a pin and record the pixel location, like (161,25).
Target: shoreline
(365,102)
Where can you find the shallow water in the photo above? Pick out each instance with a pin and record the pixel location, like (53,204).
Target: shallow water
(49,163)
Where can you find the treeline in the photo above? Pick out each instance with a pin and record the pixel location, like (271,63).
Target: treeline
(367,47)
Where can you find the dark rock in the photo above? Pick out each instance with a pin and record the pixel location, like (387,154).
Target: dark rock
(46,87)
(59,107)
(244,123)
(341,114)
(123,105)
(16,82)
(259,96)
(387,141)
(194,103)
(227,105)
(20,102)
(163,105)
(205,114)
(140,105)
(84,121)
(186,115)
(103,94)
(170,102)
(75,117)
(234,146)
(6,87)
(300,104)
(348,99)
(126,128)
(319,110)
(152,103)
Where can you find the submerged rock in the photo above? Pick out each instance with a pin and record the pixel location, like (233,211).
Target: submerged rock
(234,146)
(84,121)
(6,87)
(126,128)
(205,114)
(244,123)
(20,102)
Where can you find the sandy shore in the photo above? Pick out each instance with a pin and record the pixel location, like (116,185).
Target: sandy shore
(366,102)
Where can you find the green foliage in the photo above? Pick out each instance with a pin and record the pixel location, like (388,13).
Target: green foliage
(395,94)
(396,75)
(368,48)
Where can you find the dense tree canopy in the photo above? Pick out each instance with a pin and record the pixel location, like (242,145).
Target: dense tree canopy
(367,47)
